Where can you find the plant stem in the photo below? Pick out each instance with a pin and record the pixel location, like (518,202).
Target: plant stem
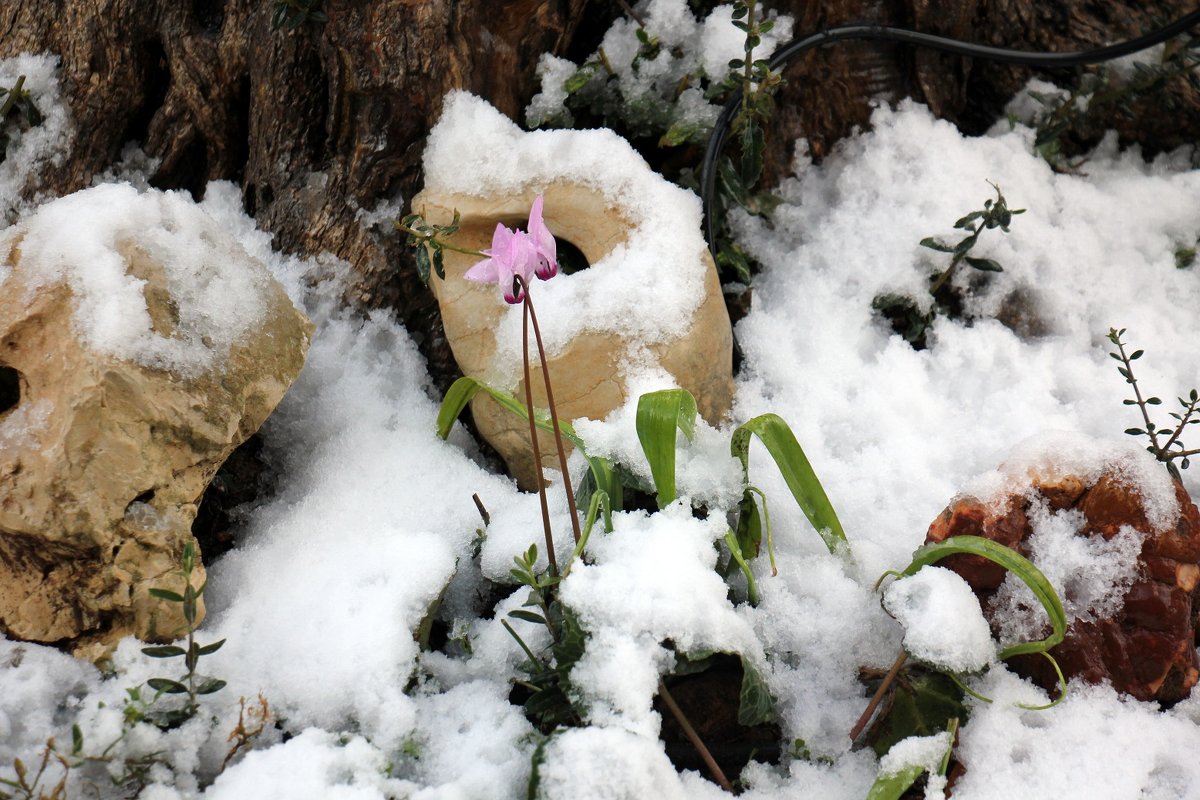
(886,684)
(945,276)
(1141,403)
(558,440)
(748,70)
(693,737)
(1183,421)
(533,440)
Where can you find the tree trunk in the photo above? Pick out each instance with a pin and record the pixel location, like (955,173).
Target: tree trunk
(326,122)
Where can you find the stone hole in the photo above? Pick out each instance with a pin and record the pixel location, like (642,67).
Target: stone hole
(570,258)
(10,388)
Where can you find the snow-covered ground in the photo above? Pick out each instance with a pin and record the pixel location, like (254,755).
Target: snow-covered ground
(373,515)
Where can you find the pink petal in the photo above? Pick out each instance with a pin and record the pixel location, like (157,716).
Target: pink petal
(485,271)
(543,242)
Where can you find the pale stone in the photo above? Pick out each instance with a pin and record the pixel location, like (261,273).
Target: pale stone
(586,376)
(103,460)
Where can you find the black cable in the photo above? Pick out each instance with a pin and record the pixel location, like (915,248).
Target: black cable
(840,33)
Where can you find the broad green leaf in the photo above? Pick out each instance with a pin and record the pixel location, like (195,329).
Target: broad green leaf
(1015,563)
(893,786)
(658,415)
(781,443)
(756,706)
(921,704)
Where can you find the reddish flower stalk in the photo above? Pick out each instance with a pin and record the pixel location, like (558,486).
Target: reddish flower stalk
(531,316)
(521,286)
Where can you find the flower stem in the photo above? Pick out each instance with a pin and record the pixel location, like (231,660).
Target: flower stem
(693,737)
(533,439)
(558,440)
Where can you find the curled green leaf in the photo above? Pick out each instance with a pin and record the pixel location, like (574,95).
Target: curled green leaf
(806,488)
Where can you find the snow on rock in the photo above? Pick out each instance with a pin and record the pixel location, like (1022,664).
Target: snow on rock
(86,240)
(660,263)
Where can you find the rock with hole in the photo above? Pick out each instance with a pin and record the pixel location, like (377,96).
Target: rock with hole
(139,345)
(647,300)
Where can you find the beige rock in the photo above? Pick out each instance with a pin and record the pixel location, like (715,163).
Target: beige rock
(587,375)
(102,458)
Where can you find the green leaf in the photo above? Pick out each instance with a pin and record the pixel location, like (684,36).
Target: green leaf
(936,244)
(1185,257)
(681,133)
(166,594)
(528,616)
(76,740)
(964,222)
(749,525)
(658,415)
(578,79)
(735,552)
(922,704)
(1015,563)
(164,651)
(753,145)
(211,685)
(424,268)
(166,686)
(984,264)
(781,443)
(439,264)
(965,245)
(894,785)
(756,706)
(208,649)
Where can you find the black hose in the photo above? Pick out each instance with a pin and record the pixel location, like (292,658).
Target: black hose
(840,33)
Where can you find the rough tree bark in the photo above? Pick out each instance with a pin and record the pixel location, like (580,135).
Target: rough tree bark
(325,122)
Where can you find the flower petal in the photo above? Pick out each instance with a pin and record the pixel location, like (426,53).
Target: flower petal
(485,271)
(543,242)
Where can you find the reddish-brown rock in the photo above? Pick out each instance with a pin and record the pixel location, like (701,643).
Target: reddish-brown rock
(1147,648)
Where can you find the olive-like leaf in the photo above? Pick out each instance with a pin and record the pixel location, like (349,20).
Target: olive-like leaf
(166,686)
(163,651)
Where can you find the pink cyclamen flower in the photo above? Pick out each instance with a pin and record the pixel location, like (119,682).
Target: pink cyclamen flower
(516,253)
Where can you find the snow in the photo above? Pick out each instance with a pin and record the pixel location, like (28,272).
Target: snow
(943,623)
(372,519)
